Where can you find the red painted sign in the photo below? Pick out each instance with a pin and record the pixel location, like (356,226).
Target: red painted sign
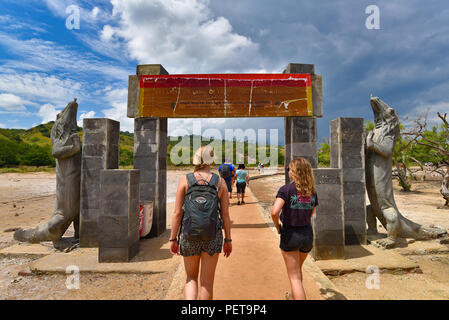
(225,95)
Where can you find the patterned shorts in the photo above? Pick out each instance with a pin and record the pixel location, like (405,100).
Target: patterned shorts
(191,248)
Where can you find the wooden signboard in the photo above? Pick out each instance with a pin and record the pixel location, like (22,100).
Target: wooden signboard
(225,95)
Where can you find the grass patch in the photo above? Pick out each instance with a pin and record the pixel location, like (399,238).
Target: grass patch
(27,169)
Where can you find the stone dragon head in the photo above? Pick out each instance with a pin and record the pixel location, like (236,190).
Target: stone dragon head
(65,124)
(385,119)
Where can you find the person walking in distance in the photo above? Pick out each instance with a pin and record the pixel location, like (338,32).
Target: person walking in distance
(242,182)
(200,198)
(295,204)
(227,172)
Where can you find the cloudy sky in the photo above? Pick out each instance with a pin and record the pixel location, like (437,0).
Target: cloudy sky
(45,63)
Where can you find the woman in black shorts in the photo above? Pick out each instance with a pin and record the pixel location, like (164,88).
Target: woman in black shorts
(242,182)
(201,253)
(295,204)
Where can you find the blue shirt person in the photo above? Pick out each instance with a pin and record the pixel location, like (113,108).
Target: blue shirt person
(227,175)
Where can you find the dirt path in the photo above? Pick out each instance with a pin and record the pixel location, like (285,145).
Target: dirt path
(255,270)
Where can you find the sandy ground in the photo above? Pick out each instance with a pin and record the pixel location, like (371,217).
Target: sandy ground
(28,199)
(420,205)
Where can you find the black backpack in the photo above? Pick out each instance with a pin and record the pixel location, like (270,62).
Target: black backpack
(225,171)
(201,209)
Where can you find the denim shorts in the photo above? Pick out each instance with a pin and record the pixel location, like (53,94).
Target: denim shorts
(297,238)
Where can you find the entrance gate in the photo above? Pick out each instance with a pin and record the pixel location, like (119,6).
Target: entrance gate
(154,96)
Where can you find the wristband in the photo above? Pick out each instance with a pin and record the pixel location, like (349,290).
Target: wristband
(171,240)
(227,240)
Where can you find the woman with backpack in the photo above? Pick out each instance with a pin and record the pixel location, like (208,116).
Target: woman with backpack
(297,201)
(200,198)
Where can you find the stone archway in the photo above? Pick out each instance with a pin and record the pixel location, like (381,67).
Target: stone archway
(108,218)
(151,122)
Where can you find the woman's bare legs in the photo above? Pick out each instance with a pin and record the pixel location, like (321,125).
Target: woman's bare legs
(208,266)
(302,258)
(192,267)
(292,262)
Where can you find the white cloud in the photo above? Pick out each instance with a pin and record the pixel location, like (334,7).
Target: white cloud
(13,24)
(85,115)
(95,12)
(2,125)
(12,103)
(107,33)
(48,56)
(48,112)
(40,87)
(184,36)
(118,99)
(88,16)
(431,110)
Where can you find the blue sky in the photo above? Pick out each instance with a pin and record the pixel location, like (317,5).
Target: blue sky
(44,65)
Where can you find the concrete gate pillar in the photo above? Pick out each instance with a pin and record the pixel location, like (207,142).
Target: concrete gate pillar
(300,134)
(150,155)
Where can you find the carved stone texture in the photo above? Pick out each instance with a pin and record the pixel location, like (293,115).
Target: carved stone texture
(66,148)
(347,153)
(150,157)
(379,149)
(328,220)
(445,187)
(118,223)
(100,151)
(301,140)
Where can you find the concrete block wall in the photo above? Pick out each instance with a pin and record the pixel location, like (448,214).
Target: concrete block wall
(119,215)
(328,221)
(347,153)
(101,142)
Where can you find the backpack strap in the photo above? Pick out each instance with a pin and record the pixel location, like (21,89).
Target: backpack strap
(191,180)
(214,180)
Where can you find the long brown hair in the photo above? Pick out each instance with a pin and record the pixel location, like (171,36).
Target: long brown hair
(302,175)
(203,157)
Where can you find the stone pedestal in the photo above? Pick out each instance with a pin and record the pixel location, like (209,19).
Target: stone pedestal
(347,153)
(119,215)
(328,221)
(150,157)
(101,141)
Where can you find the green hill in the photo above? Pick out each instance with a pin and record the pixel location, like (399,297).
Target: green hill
(32,147)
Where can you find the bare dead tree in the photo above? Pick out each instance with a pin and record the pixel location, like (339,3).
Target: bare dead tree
(418,136)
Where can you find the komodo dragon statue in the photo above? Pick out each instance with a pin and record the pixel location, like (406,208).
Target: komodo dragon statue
(379,151)
(66,148)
